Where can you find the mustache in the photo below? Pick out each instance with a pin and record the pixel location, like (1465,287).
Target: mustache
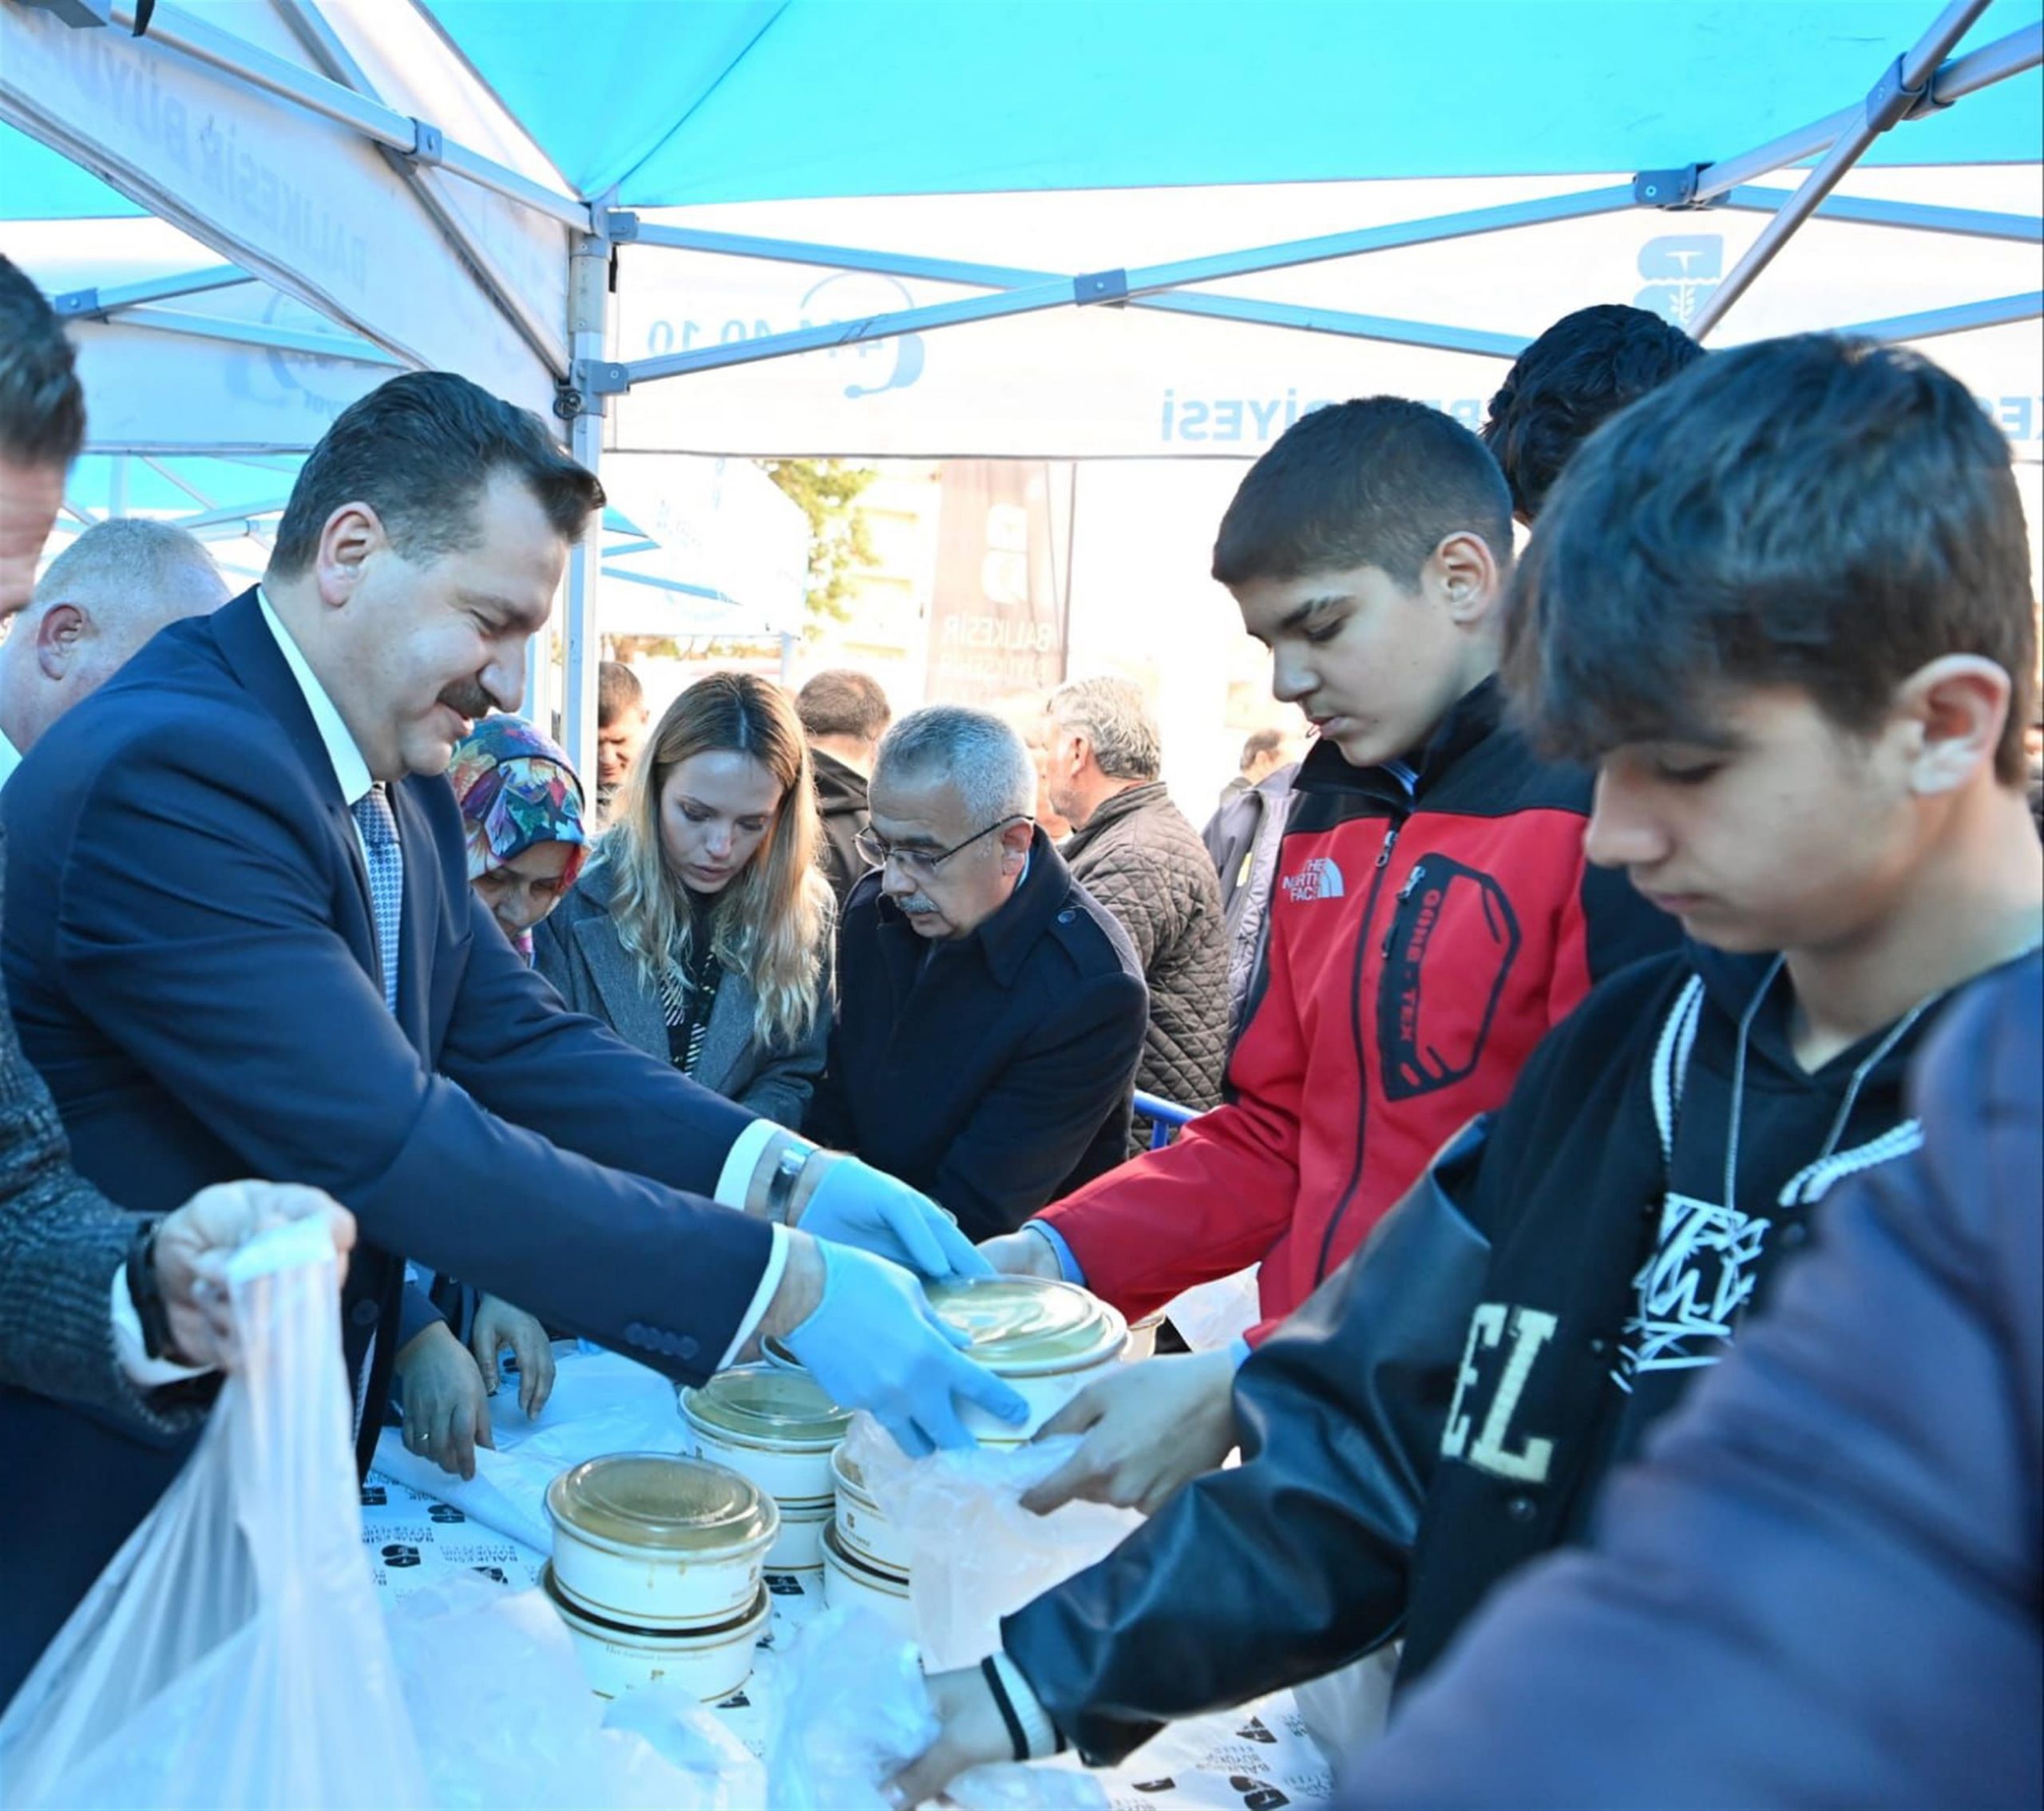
(467,698)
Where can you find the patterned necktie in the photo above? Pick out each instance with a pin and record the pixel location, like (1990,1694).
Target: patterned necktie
(386,879)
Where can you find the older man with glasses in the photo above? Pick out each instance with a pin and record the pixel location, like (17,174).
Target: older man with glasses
(990,1012)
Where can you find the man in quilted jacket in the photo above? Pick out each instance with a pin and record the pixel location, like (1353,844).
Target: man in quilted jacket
(1136,853)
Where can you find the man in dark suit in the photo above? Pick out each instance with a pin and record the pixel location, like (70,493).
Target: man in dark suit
(244,940)
(990,1011)
(78,1272)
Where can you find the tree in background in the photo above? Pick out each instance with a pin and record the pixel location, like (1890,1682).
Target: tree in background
(840,543)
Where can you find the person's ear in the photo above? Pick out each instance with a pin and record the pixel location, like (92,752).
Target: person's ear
(1464,574)
(59,631)
(353,535)
(1953,710)
(1014,841)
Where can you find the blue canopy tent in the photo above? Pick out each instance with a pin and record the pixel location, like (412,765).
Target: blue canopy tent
(539,193)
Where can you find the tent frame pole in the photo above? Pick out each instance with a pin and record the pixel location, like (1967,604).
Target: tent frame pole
(1138,285)
(410,137)
(1963,317)
(588,305)
(1904,86)
(1994,62)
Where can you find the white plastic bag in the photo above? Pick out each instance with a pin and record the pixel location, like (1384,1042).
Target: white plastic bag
(505,1718)
(849,1709)
(233,1653)
(1209,1315)
(977,1553)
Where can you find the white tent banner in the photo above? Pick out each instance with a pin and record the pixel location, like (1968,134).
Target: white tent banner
(1127,382)
(731,557)
(305,203)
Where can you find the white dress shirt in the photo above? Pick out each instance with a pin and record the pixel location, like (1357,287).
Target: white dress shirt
(352,771)
(10,758)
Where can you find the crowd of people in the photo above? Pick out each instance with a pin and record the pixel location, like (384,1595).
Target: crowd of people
(1651,907)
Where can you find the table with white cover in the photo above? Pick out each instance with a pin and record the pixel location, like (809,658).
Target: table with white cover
(420,1524)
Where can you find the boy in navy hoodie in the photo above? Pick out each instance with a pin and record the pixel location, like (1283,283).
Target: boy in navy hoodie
(1785,603)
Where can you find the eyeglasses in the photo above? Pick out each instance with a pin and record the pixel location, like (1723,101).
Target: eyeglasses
(879,851)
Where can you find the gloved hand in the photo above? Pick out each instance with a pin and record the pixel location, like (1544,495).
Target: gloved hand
(498,1325)
(874,1342)
(853,1203)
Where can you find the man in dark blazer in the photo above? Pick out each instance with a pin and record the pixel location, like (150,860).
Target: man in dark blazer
(243,941)
(990,1012)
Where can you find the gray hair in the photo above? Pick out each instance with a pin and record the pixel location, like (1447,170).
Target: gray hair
(131,564)
(974,749)
(1111,715)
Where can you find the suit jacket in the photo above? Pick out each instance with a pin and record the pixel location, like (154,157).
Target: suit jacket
(994,1072)
(578,950)
(61,1242)
(191,959)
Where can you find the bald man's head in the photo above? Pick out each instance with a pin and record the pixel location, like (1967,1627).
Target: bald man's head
(102,598)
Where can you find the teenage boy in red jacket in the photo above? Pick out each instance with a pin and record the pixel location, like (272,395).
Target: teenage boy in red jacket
(1433,917)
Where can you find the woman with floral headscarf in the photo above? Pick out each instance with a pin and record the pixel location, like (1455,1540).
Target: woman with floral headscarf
(521,805)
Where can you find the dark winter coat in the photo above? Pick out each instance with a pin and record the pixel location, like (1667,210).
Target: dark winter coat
(841,799)
(1141,858)
(993,1072)
(1822,1586)
(1448,1405)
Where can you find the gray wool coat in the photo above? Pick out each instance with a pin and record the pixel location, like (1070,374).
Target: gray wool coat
(578,950)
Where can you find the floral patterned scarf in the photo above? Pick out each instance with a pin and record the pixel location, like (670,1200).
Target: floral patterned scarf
(517,791)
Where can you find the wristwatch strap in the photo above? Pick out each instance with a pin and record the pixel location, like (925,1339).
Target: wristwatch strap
(781,1185)
(145,1293)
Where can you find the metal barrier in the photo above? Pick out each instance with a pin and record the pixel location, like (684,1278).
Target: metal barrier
(1165,1117)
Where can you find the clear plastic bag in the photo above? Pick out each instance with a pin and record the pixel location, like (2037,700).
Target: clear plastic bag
(849,1709)
(1210,1315)
(233,1653)
(978,1553)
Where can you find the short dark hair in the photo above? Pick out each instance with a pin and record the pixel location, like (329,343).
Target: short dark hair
(1582,371)
(618,690)
(1260,743)
(419,450)
(840,701)
(1821,512)
(42,404)
(1377,483)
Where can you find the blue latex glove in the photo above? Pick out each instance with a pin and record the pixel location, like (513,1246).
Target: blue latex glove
(854,1204)
(874,1342)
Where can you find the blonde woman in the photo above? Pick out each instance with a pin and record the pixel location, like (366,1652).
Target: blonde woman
(701,931)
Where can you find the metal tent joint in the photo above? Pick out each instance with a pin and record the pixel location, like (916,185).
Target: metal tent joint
(428,145)
(1672,189)
(620,226)
(1100,286)
(1890,100)
(77,305)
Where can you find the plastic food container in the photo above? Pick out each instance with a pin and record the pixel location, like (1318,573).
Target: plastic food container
(1048,1339)
(654,1541)
(848,1580)
(1142,1337)
(864,1530)
(711,1663)
(799,1547)
(771,1424)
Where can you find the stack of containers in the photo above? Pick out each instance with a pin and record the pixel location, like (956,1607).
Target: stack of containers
(1048,1339)
(779,1429)
(657,1570)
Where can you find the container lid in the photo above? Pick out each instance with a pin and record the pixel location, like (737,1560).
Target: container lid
(1024,1325)
(666,1503)
(766,1405)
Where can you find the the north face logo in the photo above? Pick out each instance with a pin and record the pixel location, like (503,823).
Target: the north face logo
(1318,879)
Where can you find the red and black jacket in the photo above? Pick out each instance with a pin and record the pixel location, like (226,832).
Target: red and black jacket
(1429,924)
